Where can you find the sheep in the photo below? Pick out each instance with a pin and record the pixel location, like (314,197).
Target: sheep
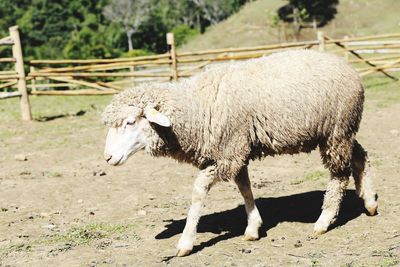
(220,119)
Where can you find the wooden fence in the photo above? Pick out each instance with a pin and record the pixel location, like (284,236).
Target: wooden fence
(369,54)
(17,77)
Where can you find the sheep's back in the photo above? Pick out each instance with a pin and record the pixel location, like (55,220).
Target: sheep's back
(284,103)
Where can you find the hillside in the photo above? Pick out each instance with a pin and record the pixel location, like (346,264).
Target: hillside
(252,24)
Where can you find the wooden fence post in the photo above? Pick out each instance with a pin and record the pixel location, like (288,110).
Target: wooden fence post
(19,68)
(321,40)
(172,52)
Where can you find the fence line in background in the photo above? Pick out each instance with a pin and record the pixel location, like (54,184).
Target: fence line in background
(109,76)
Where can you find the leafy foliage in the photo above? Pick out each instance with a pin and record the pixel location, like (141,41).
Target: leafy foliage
(303,11)
(88,29)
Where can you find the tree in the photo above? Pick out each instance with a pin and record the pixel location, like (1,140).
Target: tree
(215,11)
(308,13)
(80,29)
(130,13)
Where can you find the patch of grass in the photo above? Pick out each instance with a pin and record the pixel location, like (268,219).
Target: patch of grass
(382,91)
(315,262)
(52,107)
(314,256)
(53,174)
(59,123)
(387,262)
(312,176)
(89,232)
(388,258)
(74,237)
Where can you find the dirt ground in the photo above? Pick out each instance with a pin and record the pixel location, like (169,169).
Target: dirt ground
(64,206)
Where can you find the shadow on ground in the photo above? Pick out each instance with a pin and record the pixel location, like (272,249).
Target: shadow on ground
(54,117)
(304,207)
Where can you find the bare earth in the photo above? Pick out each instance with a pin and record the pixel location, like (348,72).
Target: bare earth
(64,206)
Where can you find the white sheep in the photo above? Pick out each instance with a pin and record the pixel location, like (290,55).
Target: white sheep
(218,120)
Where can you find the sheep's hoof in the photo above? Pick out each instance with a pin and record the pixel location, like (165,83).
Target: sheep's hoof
(183,252)
(318,232)
(249,238)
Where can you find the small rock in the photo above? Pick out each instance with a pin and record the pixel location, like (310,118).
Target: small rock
(298,244)
(99,173)
(44,214)
(120,245)
(49,226)
(151,197)
(4,209)
(91,213)
(394,132)
(142,213)
(103,244)
(21,157)
(245,250)
(80,201)
(23,236)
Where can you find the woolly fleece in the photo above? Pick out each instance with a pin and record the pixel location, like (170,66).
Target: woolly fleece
(286,103)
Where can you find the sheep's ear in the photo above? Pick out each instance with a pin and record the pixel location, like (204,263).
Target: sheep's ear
(154,116)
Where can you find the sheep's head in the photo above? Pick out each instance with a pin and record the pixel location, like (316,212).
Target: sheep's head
(130,130)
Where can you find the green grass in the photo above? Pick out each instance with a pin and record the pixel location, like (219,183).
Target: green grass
(388,258)
(381,91)
(61,119)
(252,24)
(312,176)
(75,236)
(50,107)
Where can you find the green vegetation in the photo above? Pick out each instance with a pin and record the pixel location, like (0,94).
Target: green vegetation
(388,258)
(312,176)
(88,29)
(76,236)
(307,14)
(382,91)
(50,107)
(257,24)
(106,28)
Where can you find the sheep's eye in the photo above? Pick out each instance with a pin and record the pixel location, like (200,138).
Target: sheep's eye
(131,123)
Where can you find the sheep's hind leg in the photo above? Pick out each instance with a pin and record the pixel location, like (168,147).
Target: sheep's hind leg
(254,220)
(202,185)
(362,178)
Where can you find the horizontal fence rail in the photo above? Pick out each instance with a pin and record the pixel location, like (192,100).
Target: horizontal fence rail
(368,54)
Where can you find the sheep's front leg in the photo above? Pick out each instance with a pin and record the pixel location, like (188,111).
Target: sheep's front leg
(332,200)
(202,185)
(254,220)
